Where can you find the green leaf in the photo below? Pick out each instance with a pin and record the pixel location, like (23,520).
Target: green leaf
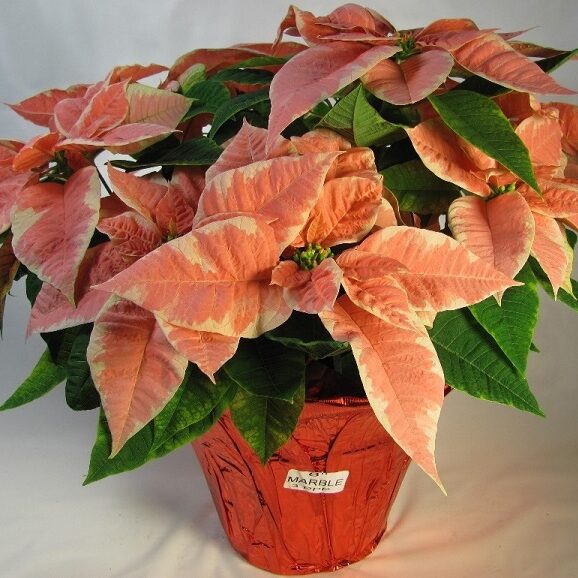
(348,381)
(132,455)
(340,117)
(568,299)
(267,368)
(404,116)
(572,238)
(417,189)
(563,296)
(314,116)
(208,92)
(194,400)
(196,152)
(192,76)
(397,153)
(45,376)
(186,435)
(60,343)
(554,62)
(482,86)
(265,423)
(2,307)
(33,286)
(148,155)
(306,333)
(513,323)
(534,348)
(209,95)
(473,363)
(230,108)
(258,61)
(192,153)
(182,420)
(369,127)
(80,391)
(21,272)
(170,412)
(244,76)
(355,118)
(479,121)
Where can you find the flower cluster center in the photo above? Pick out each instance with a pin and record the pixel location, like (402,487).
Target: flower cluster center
(505,189)
(311,256)
(407,44)
(59,170)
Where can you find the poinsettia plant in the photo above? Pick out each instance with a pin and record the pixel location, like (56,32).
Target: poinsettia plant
(367,212)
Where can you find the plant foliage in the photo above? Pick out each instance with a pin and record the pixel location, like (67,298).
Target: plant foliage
(370,205)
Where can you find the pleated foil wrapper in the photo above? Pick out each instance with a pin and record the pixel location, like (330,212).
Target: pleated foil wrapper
(320,503)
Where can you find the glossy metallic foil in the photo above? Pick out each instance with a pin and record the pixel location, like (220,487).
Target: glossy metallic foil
(289,531)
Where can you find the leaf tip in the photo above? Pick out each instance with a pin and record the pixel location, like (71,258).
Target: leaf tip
(538,411)
(442,488)
(117,445)
(436,478)
(88,480)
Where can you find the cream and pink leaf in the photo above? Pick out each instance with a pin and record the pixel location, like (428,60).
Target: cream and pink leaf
(39,109)
(552,251)
(568,117)
(106,110)
(500,231)
(364,265)
(309,291)
(246,147)
(36,152)
(53,311)
(161,202)
(542,135)
(154,106)
(132,235)
(491,57)
(440,273)
(345,212)
(52,227)
(134,72)
(316,74)
(410,80)
(126,139)
(559,198)
(209,351)
(11,186)
(281,190)
(139,193)
(8,149)
(135,369)
(442,153)
(215,278)
(190,182)
(400,372)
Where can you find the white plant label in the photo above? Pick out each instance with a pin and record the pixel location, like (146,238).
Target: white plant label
(316,482)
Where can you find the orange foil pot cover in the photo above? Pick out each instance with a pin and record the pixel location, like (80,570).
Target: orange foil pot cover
(321,502)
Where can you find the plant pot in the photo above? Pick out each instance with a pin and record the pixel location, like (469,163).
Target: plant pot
(321,502)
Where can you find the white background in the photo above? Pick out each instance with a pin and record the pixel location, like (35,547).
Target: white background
(512,478)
